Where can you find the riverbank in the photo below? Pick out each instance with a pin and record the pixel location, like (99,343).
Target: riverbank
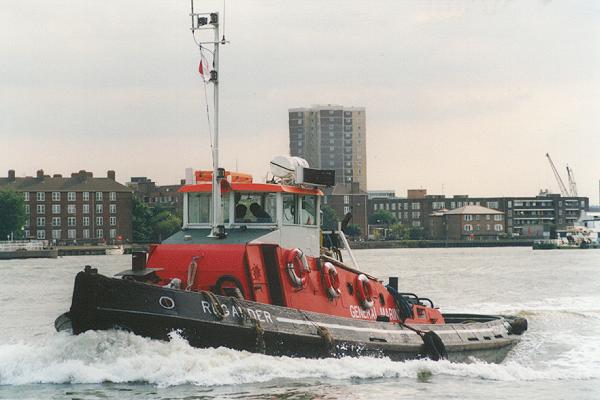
(394,244)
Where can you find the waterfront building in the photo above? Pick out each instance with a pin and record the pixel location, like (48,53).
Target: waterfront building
(467,223)
(345,198)
(76,209)
(527,217)
(331,137)
(378,194)
(167,197)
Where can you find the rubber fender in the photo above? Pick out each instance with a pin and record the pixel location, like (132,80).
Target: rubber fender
(434,346)
(518,325)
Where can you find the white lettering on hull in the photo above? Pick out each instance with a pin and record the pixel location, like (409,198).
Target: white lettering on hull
(257,314)
(358,312)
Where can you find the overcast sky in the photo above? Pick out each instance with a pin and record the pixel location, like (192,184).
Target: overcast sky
(461,97)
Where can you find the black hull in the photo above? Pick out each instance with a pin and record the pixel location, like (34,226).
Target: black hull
(102,303)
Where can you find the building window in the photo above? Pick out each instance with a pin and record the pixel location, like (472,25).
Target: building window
(113,196)
(55,197)
(468,217)
(27,234)
(99,233)
(41,221)
(27,209)
(85,233)
(113,233)
(41,209)
(86,221)
(86,196)
(56,234)
(26,196)
(41,196)
(416,214)
(71,196)
(55,221)
(406,206)
(41,234)
(27,224)
(71,209)
(492,204)
(113,221)
(346,199)
(346,210)
(99,221)
(416,223)
(498,217)
(415,206)
(55,208)
(99,209)
(71,233)
(113,208)
(86,208)
(71,221)
(487,227)
(498,227)
(468,227)
(98,196)
(477,227)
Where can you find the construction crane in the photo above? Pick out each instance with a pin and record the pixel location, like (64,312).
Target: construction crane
(572,184)
(561,184)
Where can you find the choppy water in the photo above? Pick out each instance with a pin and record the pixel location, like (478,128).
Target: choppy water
(559,357)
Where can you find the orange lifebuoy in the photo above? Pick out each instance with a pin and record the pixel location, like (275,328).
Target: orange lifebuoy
(364,291)
(331,280)
(297,267)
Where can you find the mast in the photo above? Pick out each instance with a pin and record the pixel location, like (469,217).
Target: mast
(204,21)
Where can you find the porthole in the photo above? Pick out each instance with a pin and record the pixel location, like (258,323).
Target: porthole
(166,302)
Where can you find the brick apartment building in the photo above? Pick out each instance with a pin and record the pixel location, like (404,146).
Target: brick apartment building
(153,195)
(467,223)
(349,198)
(525,216)
(76,209)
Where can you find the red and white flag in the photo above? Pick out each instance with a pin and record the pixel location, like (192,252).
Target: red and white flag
(203,69)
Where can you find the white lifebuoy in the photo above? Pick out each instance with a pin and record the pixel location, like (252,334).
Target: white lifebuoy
(364,291)
(297,267)
(331,280)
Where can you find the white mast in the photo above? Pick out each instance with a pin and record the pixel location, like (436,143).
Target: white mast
(200,21)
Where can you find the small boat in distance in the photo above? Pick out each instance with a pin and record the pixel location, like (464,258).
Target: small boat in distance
(16,249)
(115,250)
(252,270)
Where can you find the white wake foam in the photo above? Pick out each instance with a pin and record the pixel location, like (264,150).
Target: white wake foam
(95,357)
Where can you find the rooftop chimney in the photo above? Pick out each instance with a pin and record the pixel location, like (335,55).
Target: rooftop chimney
(11,175)
(40,174)
(110,175)
(57,176)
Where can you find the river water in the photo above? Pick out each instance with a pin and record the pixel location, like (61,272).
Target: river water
(558,291)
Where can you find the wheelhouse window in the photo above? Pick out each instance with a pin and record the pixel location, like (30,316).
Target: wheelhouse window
(200,208)
(309,210)
(289,209)
(258,208)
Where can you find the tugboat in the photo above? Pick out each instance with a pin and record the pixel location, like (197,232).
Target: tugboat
(252,270)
